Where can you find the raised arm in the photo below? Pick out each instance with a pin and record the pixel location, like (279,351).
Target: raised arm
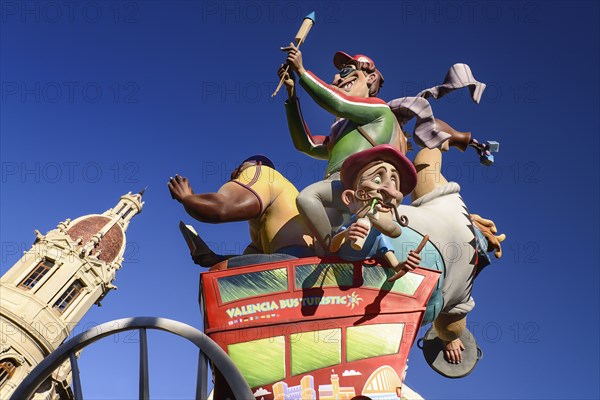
(314,146)
(233,202)
(361,110)
(304,141)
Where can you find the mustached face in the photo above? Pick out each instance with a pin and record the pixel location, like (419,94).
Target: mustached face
(381,181)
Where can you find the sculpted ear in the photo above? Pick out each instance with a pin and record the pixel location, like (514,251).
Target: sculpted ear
(371,78)
(347,197)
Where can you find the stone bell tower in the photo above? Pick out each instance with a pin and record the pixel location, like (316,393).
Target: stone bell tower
(47,292)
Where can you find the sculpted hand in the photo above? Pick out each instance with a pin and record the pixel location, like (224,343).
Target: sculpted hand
(356,231)
(180,188)
(453,351)
(412,261)
(294,58)
(289,80)
(489,230)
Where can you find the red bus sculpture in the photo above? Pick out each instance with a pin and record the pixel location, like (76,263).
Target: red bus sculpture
(315,328)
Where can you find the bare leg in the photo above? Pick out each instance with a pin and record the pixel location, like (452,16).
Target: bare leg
(312,202)
(458,139)
(219,266)
(449,328)
(428,163)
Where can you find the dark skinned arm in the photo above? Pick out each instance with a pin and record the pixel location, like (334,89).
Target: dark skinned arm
(232,202)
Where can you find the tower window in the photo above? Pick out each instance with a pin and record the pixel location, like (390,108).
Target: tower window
(6,370)
(126,214)
(69,296)
(37,274)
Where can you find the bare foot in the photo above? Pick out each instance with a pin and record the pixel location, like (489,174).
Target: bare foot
(453,351)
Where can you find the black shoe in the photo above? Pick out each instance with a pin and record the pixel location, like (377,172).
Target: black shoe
(199,250)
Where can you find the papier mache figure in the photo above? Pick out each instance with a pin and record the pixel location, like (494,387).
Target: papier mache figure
(437,209)
(362,122)
(365,121)
(375,181)
(262,196)
(256,193)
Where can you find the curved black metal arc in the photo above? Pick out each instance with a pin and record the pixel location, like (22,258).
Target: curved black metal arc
(221,360)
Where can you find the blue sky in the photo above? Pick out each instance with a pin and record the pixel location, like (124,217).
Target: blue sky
(99,98)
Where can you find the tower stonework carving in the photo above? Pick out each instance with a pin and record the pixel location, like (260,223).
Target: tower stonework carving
(44,295)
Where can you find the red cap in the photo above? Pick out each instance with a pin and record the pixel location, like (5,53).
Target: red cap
(340,59)
(385,152)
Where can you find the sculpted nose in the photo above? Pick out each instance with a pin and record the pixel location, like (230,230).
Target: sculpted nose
(390,191)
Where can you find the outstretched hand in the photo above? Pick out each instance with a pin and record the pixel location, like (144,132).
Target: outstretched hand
(294,58)
(180,188)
